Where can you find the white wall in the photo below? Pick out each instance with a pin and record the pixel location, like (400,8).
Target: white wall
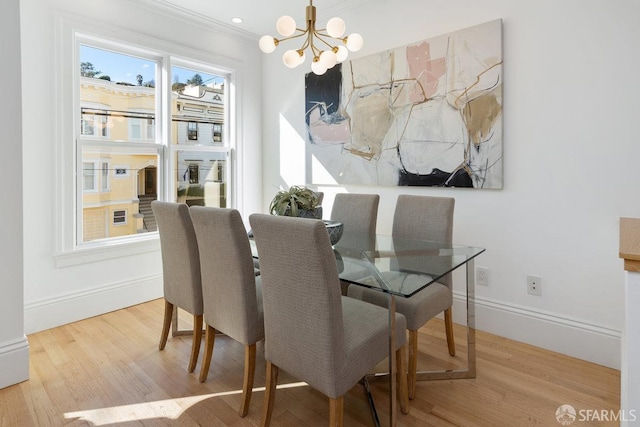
(55,294)
(14,348)
(570,146)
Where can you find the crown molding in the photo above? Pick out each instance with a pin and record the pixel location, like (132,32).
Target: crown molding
(193,18)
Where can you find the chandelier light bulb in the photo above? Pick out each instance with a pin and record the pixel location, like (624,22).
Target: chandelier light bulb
(354,42)
(335,27)
(291,58)
(328,58)
(286,26)
(267,44)
(301,56)
(318,67)
(341,53)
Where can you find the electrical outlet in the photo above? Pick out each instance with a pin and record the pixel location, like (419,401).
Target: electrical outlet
(482,276)
(534,285)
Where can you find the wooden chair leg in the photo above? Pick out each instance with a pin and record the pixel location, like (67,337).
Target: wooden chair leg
(336,411)
(269,394)
(209,340)
(413,363)
(249,371)
(197,339)
(448,325)
(166,324)
(344,287)
(175,330)
(403,392)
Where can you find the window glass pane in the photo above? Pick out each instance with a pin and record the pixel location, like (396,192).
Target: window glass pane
(135,130)
(119,217)
(117,93)
(118,109)
(124,207)
(217,133)
(201,178)
(104,178)
(197,106)
(89,176)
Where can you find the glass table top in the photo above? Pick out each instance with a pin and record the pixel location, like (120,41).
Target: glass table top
(396,265)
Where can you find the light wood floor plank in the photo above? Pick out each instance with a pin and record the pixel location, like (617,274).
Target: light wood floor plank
(108,370)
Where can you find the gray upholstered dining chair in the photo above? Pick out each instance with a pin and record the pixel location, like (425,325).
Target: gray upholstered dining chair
(180,271)
(231,292)
(421,218)
(359,215)
(311,331)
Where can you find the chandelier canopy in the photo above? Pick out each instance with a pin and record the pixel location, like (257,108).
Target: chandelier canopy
(327,46)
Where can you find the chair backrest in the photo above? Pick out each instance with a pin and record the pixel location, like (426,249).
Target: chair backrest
(302,300)
(425,218)
(320,196)
(358,212)
(228,280)
(180,257)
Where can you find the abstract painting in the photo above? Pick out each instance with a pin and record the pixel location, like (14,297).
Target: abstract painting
(425,114)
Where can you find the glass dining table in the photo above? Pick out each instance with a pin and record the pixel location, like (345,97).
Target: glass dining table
(400,268)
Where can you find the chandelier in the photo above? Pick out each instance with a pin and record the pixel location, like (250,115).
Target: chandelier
(327,46)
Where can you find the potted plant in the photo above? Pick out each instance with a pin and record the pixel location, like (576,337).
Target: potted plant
(296,201)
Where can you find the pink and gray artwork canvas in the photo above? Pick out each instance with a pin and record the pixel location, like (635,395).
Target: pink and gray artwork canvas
(425,114)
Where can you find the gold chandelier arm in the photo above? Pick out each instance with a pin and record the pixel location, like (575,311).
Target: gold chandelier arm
(295,36)
(321,37)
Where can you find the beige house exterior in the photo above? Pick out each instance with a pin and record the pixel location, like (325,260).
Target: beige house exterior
(119,183)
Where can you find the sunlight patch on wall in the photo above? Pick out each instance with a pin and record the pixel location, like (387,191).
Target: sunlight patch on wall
(320,174)
(292,154)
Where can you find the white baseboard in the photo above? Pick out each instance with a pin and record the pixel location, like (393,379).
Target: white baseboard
(87,303)
(573,337)
(562,334)
(14,362)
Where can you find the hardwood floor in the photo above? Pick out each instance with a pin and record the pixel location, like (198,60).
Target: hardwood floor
(108,371)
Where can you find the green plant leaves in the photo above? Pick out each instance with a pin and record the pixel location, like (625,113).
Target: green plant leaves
(289,202)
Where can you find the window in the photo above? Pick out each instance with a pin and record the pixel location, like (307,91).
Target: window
(94,123)
(119,217)
(193,174)
(89,176)
(95,175)
(115,111)
(192,131)
(104,178)
(151,128)
(202,175)
(121,171)
(141,128)
(217,132)
(122,144)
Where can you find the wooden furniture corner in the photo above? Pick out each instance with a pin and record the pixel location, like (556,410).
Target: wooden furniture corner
(630,243)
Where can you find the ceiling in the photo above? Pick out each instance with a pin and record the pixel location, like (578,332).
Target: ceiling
(259,16)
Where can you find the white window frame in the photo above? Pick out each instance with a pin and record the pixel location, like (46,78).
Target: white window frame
(105,178)
(83,143)
(225,146)
(121,171)
(97,123)
(86,166)
(125,216)
(196,131)
(147,132)
(67,251)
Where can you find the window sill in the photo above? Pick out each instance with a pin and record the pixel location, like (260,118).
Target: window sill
(110,250)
